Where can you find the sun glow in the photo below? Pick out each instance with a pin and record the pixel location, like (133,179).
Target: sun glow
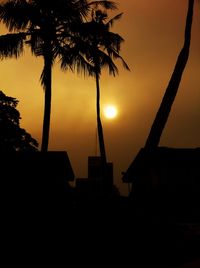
(110,111)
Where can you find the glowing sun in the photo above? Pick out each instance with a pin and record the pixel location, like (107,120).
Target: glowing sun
(110,111)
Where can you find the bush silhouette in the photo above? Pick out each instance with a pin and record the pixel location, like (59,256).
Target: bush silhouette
(12,136)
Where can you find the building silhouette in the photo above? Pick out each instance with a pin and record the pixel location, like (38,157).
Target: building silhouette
(166,181)
(36,181)
(94,187)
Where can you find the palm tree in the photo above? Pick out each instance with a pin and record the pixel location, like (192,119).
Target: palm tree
(171,91)
(97,47)
(46,29)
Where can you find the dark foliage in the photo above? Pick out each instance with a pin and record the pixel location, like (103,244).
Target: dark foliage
(12,136)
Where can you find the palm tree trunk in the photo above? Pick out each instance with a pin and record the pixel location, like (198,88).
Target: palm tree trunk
(105,179)
(99,125)
(171,91)
(47,78)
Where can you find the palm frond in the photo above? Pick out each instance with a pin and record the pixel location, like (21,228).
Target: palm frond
(113,54)
(82,66)
(36,43)
(105,61)
(125,65)
(44,78)
(105,4)
(72,59)
(113,41)
(111,21)
(11,45)
(108,63)
(15,14)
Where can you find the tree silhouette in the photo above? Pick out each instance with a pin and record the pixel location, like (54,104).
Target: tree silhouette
(12,137)
(46,29)
(97,48)
(171,91)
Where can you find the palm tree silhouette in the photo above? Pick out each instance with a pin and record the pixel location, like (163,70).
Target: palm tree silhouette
(46,29)
(172,89)
(98,47)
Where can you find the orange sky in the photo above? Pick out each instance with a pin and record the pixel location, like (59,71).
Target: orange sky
(153,32)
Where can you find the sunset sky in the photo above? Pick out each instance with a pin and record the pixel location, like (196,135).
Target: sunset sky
(153,31)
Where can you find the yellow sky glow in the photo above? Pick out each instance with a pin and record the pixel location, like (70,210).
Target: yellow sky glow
(153,31)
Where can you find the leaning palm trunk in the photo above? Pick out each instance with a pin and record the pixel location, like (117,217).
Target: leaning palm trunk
(46,81)
(171,91)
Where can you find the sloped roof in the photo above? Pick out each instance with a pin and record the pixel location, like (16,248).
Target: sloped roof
(179,159)
(49,165)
